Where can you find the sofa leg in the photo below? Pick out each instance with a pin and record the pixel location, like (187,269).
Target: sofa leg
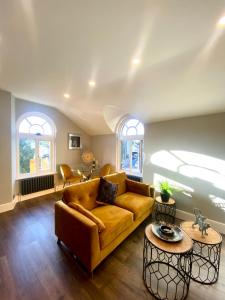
(59,242)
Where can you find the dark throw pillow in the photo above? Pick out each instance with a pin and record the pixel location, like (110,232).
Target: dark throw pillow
(107,191)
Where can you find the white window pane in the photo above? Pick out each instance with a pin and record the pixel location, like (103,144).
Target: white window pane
(44,155)
(27,162)
(36,129)
(136,156)
(140,129)
(125,155)
(34,120)
(47,129)
(132,122)
(24,126)
(131,131)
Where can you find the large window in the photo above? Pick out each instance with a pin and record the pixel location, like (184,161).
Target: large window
(35,145)
(131,135)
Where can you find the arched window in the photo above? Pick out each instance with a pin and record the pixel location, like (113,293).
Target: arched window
(35,145)
(131,137)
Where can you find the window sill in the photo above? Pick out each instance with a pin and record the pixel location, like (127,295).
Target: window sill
(33,176)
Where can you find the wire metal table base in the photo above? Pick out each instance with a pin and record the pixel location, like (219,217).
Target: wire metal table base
(206,262)
(166,275)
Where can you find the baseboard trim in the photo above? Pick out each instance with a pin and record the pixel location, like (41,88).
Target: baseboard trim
(7,206)
(18,198)
(183,215)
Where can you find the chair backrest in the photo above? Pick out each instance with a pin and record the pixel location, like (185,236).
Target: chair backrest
(105,170)
(65,171)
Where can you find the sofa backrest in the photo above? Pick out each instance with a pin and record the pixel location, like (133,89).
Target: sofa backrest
(120,179)
(84,193)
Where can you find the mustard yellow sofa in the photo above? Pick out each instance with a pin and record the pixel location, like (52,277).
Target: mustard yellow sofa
(133,204)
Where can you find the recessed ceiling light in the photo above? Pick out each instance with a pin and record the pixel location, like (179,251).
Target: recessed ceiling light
(92,83)
(136,61)
(67,96)
(221,22)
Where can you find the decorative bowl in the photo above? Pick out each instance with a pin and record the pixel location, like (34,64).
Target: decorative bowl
(167,230)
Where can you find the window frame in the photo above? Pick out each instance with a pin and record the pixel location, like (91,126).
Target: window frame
(37,138)
(121,137)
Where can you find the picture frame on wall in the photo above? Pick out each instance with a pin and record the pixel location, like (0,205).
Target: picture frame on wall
(74,141)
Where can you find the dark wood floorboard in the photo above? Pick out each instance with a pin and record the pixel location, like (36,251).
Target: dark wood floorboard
(34,267)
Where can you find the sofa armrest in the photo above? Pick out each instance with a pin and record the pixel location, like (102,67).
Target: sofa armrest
(139,188)
(79,233)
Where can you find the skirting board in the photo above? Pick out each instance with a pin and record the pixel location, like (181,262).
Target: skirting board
(10,205)
(186,216)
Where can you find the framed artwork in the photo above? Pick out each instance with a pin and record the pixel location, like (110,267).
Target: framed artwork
(74,141)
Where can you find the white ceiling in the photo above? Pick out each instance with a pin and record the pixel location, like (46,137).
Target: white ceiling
(50,47)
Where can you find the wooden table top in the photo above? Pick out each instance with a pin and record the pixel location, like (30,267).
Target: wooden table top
(212,238)
(183,246)
(171,201)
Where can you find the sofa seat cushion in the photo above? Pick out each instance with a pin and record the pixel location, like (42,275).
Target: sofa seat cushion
(135,203)
(115,219)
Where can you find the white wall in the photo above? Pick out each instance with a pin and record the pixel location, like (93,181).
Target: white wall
(5,147)
(104,149)
(63,127)
(203,135)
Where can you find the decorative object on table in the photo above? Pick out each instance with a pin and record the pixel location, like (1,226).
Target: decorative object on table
(166,190)
(83,176)
(206,253)
(74,141)
(200,221)
(166,232)
(164,211)
(167,266)
(87,157)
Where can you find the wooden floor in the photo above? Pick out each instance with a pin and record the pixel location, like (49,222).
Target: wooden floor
(34,267)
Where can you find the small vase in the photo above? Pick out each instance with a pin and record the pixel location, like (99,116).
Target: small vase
(165,197)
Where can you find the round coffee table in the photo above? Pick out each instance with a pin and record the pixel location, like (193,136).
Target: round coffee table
(206,253)
(164,211)
(167,266)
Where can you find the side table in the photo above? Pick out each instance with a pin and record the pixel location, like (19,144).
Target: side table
(164,211)
(206,253)
(167,266)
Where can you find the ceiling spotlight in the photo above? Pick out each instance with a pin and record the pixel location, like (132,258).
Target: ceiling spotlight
(136,61)
(92,83)
(67,96)
(221,22)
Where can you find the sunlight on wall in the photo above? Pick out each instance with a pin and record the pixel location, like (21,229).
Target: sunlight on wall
(193,165)
(166,160)
(186,190)
(218,202)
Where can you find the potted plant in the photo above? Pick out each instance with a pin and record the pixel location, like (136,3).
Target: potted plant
(166,191)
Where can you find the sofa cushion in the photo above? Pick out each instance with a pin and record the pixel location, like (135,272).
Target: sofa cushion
(84,193)
(115,219)
(88,214)
(107,191)
(118,178)
(135,203)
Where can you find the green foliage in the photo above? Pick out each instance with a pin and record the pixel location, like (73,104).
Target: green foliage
(26,150)
(166,188)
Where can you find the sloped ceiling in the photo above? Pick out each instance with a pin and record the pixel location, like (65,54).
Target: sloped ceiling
(52,47)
